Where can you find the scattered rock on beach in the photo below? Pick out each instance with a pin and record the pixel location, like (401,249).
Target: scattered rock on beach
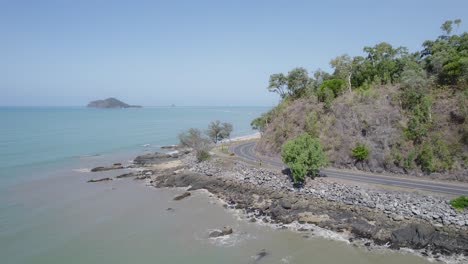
(260,255)
(227,231)
(169,147)
(182,196)
(215,233)
(100,180)
(218,233)
(126,175)
(116,166)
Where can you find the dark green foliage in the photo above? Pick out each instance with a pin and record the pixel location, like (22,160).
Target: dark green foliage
(360,152)
(409,160)
(447,56)
(460,202)
(435,155)
(304,156)
(335,85)
(383,65)
(298,79)
(329,90)
(418,104)
(293,85)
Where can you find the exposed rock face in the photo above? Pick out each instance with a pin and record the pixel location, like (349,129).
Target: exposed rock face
(158,158)
(110,103)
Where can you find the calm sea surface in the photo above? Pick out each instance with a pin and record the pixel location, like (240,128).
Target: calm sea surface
(49,214)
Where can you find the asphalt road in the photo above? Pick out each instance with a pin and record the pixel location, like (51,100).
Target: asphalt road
(246,151)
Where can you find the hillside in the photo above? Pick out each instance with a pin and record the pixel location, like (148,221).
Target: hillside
(110,103)
(408,110)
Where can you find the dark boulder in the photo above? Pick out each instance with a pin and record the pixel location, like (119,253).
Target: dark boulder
(182,196)
(116,166)
(100,180)
(415,236)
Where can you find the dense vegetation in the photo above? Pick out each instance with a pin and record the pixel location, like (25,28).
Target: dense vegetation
(390,109)
(304,157)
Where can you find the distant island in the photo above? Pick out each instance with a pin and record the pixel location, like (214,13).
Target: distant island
(111,103)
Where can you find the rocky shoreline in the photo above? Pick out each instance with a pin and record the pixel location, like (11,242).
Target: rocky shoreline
(387,218)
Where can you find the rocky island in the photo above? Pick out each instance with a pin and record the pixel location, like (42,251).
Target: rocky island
(110,103)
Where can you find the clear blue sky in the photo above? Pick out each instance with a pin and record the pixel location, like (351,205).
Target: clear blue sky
(191,52)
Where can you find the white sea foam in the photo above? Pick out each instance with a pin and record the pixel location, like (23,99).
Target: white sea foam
(286,260)
(231,240)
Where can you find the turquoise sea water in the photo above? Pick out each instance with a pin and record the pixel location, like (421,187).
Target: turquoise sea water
(34,138)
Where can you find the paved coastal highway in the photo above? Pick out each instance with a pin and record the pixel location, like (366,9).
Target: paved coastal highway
(246,151)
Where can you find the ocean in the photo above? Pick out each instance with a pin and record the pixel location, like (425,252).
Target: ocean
(50,214)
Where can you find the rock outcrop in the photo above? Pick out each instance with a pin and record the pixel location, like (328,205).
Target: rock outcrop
(111,103)
(282,206)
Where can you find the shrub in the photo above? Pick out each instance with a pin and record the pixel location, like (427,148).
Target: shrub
(442,154)
(202,155)
(425,158)
(193,138)
(460,202)
(335,85)
(360,152)
(329,90)
(409,160)
(304,156)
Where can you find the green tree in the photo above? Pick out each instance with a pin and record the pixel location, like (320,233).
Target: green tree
(218,131)
(278,84)
(447,27)
(294,84)
(298,79)
(343,66)
(260,123)
(304,156)
(447,57)
(382,64)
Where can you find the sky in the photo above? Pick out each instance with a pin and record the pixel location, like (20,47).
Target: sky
(192,53)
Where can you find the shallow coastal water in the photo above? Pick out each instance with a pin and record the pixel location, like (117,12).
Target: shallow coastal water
(50,214)
(66,220)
